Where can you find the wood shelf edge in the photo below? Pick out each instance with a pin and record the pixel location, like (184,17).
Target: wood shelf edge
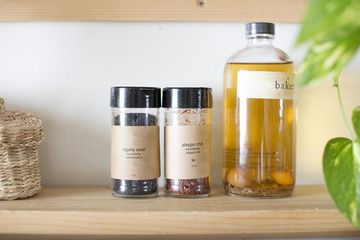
(93,211)
(288,11)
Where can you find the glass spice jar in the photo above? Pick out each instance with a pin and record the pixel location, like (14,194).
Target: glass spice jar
(135,148)
(187,141)
(259,118)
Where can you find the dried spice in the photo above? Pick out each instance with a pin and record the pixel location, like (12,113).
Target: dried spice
(187,141)
(136,119)
(197,186)
(135,187)
(135,157)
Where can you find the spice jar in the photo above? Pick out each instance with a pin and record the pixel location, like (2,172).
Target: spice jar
(135,148)
(187,141)
(259,118)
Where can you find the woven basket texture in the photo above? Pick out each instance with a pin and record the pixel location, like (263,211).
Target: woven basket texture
(20,135)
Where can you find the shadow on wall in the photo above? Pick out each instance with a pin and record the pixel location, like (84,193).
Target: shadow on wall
(216,145)
(71,153)
(319,120)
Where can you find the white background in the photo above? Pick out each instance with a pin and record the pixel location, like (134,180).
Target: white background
(63,72)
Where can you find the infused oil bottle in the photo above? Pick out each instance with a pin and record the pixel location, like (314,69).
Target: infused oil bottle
(259,118)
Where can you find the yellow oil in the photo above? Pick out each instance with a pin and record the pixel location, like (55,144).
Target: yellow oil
(258,138)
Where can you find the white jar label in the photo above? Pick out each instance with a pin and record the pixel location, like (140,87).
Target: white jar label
(187,151)
(266,85)
(135,152)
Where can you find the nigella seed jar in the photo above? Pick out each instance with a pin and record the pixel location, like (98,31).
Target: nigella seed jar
(187,141)
(135,147)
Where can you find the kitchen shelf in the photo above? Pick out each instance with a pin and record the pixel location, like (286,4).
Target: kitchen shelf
(153,10)
(93,212)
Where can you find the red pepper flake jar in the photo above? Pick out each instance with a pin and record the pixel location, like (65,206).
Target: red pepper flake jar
(187,141)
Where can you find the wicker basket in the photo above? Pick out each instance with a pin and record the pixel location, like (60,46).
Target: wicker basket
(20,135)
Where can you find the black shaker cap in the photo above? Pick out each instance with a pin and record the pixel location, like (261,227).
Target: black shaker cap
(179,97)
(255,28)
(135,97)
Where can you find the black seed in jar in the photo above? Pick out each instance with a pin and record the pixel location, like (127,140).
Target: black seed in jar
(135,187)
(136,119)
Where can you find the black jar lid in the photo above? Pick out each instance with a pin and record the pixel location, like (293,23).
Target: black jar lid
(135,97)
(182,97)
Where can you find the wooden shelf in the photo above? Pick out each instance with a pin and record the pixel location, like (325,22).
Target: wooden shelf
(92,211)
(152,10)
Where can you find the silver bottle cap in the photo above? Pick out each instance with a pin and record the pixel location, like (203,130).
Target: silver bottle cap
(260,28)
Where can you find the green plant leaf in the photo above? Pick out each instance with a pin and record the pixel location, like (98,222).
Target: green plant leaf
(326,59)
(332,28)
(321,15)
(356,120)
(339,172)
(356,155)
(325,16)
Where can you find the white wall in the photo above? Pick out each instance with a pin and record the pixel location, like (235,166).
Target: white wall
(63,72)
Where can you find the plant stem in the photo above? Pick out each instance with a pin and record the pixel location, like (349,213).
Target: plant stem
(343,112)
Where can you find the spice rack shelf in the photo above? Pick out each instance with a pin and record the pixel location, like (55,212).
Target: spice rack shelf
(94,213)
(154,10)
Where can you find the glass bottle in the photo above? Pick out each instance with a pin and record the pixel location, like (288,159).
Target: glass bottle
(187,141)
(259,118)
(135,147)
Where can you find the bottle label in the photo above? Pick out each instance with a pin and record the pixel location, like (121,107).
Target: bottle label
(135,152)
(187,151)
(266,85)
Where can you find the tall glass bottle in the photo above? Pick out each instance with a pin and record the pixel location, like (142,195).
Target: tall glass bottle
(259,118)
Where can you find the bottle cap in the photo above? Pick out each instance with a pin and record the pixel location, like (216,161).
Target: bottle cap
(179,97)
(260,28)
(135,97)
